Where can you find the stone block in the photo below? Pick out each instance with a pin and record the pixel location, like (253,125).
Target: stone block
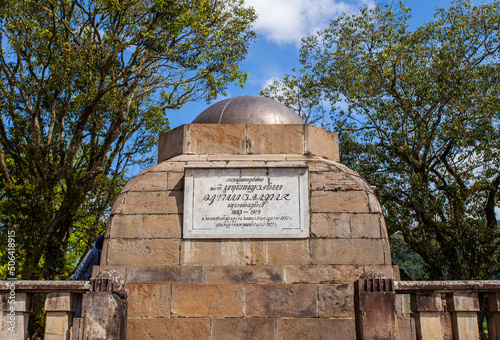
(348,251)
(494,302)
(341,181)
(336,301)
(462,302)
(248,329)
(125,226)
(281,300)
(161,226)
(339,201)
(248,252)
(57,325)
(216,139)
(374,203)
(165,274)
(317,329)
(131,252)
(275,138)
(178,329)
(201,252)
(153,202)
(321,143)
(320,165)
(175,181)
(151,181)
(60,302)
(105,316)
(130,184)
(288,252)
(14,326)
(117,207)
(316,181)
(173,165)
(195,300)
(426,302)
(20,303)
(244,274)
(428,325)
(365,226)
(323,273)
(148,300)
(137,328)
(331,225)
(120,269)
(172,143)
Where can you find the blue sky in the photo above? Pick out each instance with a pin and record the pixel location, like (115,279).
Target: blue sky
(281,25)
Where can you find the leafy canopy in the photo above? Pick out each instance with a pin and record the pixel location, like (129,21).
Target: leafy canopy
(85,85)
(418,113)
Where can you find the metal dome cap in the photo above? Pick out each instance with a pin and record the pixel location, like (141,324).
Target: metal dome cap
(248,110)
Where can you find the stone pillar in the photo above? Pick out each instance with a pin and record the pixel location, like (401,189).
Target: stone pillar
(59,308)
(427,308)
(15,315)
(105,308)
(375,308)
(493,317)
(464,308)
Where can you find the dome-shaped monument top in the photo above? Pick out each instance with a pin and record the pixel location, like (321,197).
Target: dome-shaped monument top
(248,110)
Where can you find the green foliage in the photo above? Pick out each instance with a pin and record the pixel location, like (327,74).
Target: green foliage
(84,89)
(418,113)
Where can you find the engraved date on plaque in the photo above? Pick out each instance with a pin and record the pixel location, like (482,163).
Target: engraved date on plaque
(246,203)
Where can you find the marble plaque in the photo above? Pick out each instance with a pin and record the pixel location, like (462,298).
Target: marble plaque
(246,203)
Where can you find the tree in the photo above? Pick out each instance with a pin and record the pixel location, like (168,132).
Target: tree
(418,113)
(84,90)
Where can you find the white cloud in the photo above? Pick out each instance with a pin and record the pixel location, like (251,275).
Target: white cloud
(287,21)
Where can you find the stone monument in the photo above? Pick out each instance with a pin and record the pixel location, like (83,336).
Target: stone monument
(247,228)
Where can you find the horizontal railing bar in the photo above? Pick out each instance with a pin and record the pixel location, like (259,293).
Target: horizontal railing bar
(32,286)
(403,287)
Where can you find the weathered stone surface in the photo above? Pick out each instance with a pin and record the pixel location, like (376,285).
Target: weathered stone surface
(288,252)
(162,226)
(280,300)
(465,325)
(201,252)
(172,143)
(148,300)
(57,325)
(365,225)
(320,142)
(247,329)
(161,252)
(244,274)
(285,138)
(22,301)
(125,226)
(137,328)
(151,181)
(120,269)
(165,274)
(60,302)
(175,181)
(339,201)
(105,316)
(118,205)
(374,204)
(194,300)
(462,302)
(426,302)
(14,327)
(317,329)
(248,252)
(331,225)
(428,325)
(322,273)
(341,181)
(216,139)
(348,251)
(336,301)
(316,181)
(153,202)
(178,329)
